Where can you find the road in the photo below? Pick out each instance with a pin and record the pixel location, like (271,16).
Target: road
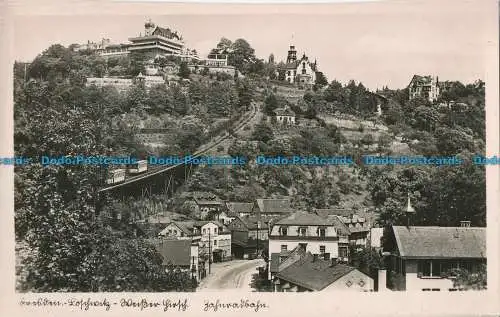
(235,274)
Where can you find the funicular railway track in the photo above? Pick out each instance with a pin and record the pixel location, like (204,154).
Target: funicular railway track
(155,170)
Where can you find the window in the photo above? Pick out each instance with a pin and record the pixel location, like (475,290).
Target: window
(429,268)
(343,252)
(304,71)
(284,247)
(204,231)
(322,232)
(215,230)
(283,231)
(289,73)
(303,246)
(322,249)
(302,231)
(215,242)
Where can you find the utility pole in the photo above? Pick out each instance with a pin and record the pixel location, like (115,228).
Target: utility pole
(257,246)
(209,252)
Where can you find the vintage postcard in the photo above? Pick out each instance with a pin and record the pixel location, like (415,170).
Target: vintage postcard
(214,158)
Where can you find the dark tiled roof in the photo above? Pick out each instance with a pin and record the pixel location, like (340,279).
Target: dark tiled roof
(240,207)
(251,222)
(177,252)
(421,80)
(441,242)
(304,218)
(341,227)
(314,275)
(185,226)
(334,211)
(166,33)
(271,206)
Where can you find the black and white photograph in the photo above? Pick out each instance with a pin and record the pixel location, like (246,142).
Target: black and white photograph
(343,150)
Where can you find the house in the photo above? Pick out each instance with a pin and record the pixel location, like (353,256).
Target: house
(182,254)
(284,116)
(300,72)
(157,41)
(307,230)
(213,237)
(376,237)
(248,235)
(207,204)
(421,257)
(426,87)
(240,209)
(213,64)
(357,226)
(225,216)
(272,207)
(311,273)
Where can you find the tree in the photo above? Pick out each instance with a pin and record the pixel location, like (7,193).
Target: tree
(321,80)
(184,70)
(367,260)
(270,104)
(262,132)
(467,280)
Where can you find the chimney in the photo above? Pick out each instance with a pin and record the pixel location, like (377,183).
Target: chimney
(465,224)
(382,280)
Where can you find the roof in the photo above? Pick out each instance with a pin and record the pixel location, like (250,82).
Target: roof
(271,206)
(240,207)
(208,202)
(421,80)
(334,211)
(199,195)
(188,226)
(185,226)
(165,32)
(440,242)
(314,274)
(284,112)
(177,252)
(340,226)
(304,218)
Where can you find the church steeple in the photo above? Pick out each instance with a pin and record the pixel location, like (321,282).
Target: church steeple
(292,55)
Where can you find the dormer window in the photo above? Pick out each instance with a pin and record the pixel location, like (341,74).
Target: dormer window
(302,231)
(322,232)
(283,231)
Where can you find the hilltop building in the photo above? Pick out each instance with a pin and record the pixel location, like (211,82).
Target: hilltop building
(155,41)
(301,72)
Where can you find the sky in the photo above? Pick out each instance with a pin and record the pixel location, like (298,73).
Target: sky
(373,43)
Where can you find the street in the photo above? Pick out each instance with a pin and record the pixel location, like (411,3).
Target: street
(235,274)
